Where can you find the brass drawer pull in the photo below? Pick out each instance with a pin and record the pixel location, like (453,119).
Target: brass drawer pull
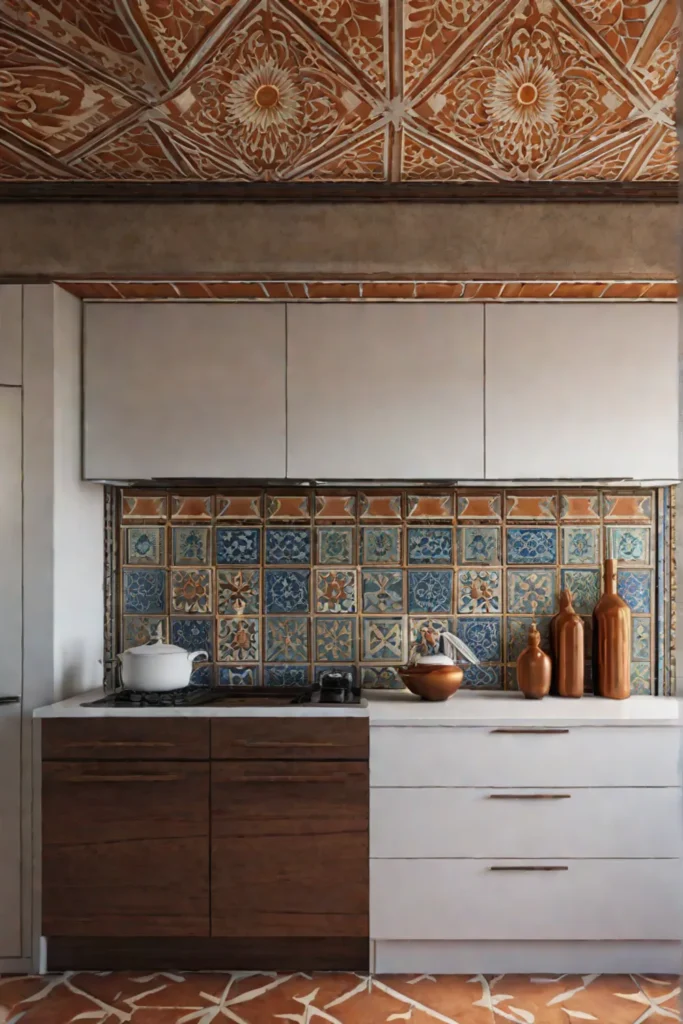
(529,796)
(119,743)
(291,778)
(530,867)
(123,778)
(530,731)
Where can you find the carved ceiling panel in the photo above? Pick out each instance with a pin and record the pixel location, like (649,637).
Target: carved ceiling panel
(338,90)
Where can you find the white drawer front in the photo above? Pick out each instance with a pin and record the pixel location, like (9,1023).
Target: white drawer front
(608,822)
(465,899)
(457,756)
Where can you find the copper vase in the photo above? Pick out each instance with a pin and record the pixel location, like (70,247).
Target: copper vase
(612,640)
(534,668)
(568,647)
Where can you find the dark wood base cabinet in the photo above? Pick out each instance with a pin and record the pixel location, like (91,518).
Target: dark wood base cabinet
(157,856)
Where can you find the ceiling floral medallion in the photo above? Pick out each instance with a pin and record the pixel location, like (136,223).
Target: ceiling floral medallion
(265,97)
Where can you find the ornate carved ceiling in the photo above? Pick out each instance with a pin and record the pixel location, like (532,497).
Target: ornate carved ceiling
(338,90)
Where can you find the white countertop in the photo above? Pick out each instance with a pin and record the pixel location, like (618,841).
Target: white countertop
(400,708)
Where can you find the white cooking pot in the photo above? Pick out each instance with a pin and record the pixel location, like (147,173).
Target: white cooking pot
(157,666)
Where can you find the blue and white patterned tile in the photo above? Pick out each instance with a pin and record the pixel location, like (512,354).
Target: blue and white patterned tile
(238,675)
(384,639)
(192,591)
(194,634)
(641,678)
(288,546)
(287,639)
(287,590)
(287,675)
(191,545)
(641,630)
(144,545)
(381,545)
(581,545)
(483,677)
(479,545)
(430,545)
(531,545)
(335,545)
(203,674)
(238,545)
(479,591)
(424,631)
(239,639)
(430,590)
(584,585)
(484,635)
(511,678)
(140,629)
(517,636)
(382,590)
(238,591)
(629,544)
(531,591)
(335,591)
(635,587)
(144,591)
(335,638)
(380,677)
(347,670)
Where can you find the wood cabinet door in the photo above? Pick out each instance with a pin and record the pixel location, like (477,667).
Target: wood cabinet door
(184,389)
(581,391)
(125,848)
(385,390)
(289,852)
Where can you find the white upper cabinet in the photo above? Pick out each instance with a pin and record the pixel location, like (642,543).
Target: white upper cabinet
(582,391)
(385,391)
(184,390)
(10,333)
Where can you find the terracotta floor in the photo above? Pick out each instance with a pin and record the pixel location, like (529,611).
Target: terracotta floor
(250,998)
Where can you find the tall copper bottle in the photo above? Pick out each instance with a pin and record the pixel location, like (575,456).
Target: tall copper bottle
(534,668)
(612,640)
(568,647)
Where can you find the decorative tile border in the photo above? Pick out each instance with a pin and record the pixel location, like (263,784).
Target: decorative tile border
(303,580)
(354,290)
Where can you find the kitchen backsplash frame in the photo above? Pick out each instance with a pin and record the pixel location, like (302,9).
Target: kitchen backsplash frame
(435,569)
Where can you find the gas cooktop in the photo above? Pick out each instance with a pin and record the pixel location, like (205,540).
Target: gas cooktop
(238,696)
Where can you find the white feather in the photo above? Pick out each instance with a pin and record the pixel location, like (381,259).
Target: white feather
(453,646)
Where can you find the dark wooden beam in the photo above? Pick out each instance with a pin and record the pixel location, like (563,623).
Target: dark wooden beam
(339,192)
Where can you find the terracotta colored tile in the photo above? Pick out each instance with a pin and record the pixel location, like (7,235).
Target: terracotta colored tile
(143,506)
(387,290)
(625,290)
(663,992)
(330,290)
(542,505)
(283,506)
(439,290)
(580,290)
(479,506)
(430,506)
(298,289)
(58,1005)
(236,290)
(92,289)
(380,506)
(191,506)
(277,289)
(335,506)
(537,289)
(192,289)
(512,289)
(238,506)
(453,996)
(553,1000)
(147,290)
(663,290)
(489,290)
(580,506)
(627,506)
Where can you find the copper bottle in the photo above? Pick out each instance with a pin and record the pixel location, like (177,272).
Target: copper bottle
(567,641)
(534,668)
(612,640)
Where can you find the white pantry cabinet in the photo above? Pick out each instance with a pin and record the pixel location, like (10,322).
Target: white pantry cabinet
(10,333)
(184,390)
(385,391)
(587,390)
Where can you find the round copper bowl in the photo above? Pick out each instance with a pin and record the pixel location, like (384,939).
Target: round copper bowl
(432,682)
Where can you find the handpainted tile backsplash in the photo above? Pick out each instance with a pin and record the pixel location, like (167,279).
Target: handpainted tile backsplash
(280,586)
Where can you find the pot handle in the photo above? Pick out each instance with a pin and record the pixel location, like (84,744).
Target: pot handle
(195,654)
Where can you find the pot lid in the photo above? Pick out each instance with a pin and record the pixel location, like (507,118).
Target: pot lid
(155,647)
